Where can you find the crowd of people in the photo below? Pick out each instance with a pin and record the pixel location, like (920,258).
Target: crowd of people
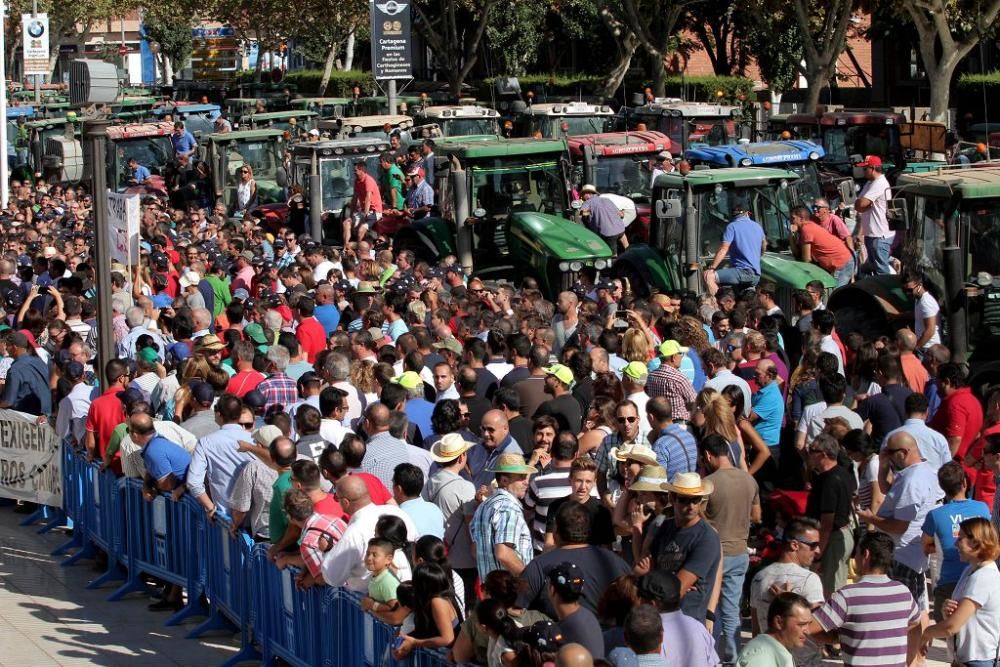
(518,479)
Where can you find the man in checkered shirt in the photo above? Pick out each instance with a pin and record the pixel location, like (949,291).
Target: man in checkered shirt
(498,528)
(670,382)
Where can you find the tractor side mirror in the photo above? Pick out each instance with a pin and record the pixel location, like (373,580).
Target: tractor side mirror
(667,209)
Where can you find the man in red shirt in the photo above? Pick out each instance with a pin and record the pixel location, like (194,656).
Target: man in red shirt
(812,243)
(106,412)
(309,332)
(960,417)
(246,378)
(366,204)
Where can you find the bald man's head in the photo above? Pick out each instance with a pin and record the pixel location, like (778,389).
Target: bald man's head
(495,428)
(378,418)
(353,491)
(906,340)
(574,655)
(766,372)
(903,450)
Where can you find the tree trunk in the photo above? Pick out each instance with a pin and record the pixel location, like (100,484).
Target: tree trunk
(615,78)
(331,55)
(940,83)
(815,80)
(659,75)
(349,51)
(259,68)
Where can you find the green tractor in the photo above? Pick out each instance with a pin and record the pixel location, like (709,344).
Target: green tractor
(293,122)
(690,214)
(503,208)
(226,152)
(54,149)
(951,221)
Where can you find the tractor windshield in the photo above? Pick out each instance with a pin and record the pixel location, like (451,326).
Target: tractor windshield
(154,153)
(808,184)
(467,127)
(707,131)
(841,142)
(558,127)
(504,186)
(261,155)
(336,177)
(626,175)
(769,205)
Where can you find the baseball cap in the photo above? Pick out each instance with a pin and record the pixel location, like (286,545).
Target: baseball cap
(665,155)
(545,636)
(635,370)
(203,393)
(255,332)
(314,132)
(566,576)
(408,380)
(254,399)
(241,293)
(661,586)
(870,161)
(148,354)
(562,373)
(450,344)
(309,378)
(247,255)
(604,284)
(74,370)
(190,278)
(130,396)
(669,348)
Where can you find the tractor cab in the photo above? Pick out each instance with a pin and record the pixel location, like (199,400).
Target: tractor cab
(460,120)
(377,128)
(149,144)
(199,119)
(688,124)
(849,135)
(295,123)
(559,120)
(262,150)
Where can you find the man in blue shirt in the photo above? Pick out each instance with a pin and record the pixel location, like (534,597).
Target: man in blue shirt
(138,174)
(27,388)
(768,405)
(676,449)
(744,243)
(166,462)
(183,141)
(420,196)
(407,484)
(941,526)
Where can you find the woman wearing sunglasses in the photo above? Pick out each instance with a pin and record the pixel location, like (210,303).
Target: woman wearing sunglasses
(246,191)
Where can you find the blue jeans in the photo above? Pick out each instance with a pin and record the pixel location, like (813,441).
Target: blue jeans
(878,255)
(726,629)
(734,276)
(844,274)
(980,663)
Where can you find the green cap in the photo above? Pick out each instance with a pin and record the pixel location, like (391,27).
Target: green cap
(148,355)
(636,370)
(562,373)
(409,380)
(255,332)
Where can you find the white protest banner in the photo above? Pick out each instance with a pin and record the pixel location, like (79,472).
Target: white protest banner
(30,460)
(123,227)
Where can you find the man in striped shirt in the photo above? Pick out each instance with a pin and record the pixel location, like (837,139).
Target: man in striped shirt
(877,619)
(549,486)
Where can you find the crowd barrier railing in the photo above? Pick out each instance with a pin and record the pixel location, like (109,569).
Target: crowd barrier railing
(175,542)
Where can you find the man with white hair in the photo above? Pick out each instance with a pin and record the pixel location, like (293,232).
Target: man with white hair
(278,388)
(202,319)
(135,317)
(337,371)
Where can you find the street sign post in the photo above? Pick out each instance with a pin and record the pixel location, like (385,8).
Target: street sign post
(35,37)
(390,33)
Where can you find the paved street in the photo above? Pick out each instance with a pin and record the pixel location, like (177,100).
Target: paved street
(47,617)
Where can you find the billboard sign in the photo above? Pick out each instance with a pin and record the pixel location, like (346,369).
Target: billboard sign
(391,39)
(35,37)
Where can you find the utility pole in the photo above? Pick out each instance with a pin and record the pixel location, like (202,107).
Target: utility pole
(95,133)
(38,77)
(4,165)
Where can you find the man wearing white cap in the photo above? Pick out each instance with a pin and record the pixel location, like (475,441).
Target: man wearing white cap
(189,287)
(663,164)
(687,546)
(454,496)
(603,217)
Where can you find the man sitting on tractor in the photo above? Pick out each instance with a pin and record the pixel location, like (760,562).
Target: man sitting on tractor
(743,242)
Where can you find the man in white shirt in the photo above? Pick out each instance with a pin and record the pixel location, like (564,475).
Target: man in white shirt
(872,204)
(663,164)
(344,564)
(925,311)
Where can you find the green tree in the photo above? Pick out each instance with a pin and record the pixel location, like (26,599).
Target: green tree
(171,31)
(454,29)
(773,39)
(822,25)
(720,27)
(947,30)
(653,23)
(328,27)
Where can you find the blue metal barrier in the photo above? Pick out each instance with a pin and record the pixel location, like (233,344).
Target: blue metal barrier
(173,541)
(165,540)
(228,586)
(74,499)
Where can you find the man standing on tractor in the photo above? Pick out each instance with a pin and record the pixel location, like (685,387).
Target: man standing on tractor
(872,203)
(743,243)
(366,204)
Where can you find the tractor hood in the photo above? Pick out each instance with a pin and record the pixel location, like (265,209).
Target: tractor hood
(561,238)
(787,272)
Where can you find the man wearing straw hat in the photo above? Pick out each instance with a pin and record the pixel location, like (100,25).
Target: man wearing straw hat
(687,546)
(499,531)
(454,495)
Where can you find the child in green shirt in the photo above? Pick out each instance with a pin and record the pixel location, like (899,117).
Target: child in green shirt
(382,583)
